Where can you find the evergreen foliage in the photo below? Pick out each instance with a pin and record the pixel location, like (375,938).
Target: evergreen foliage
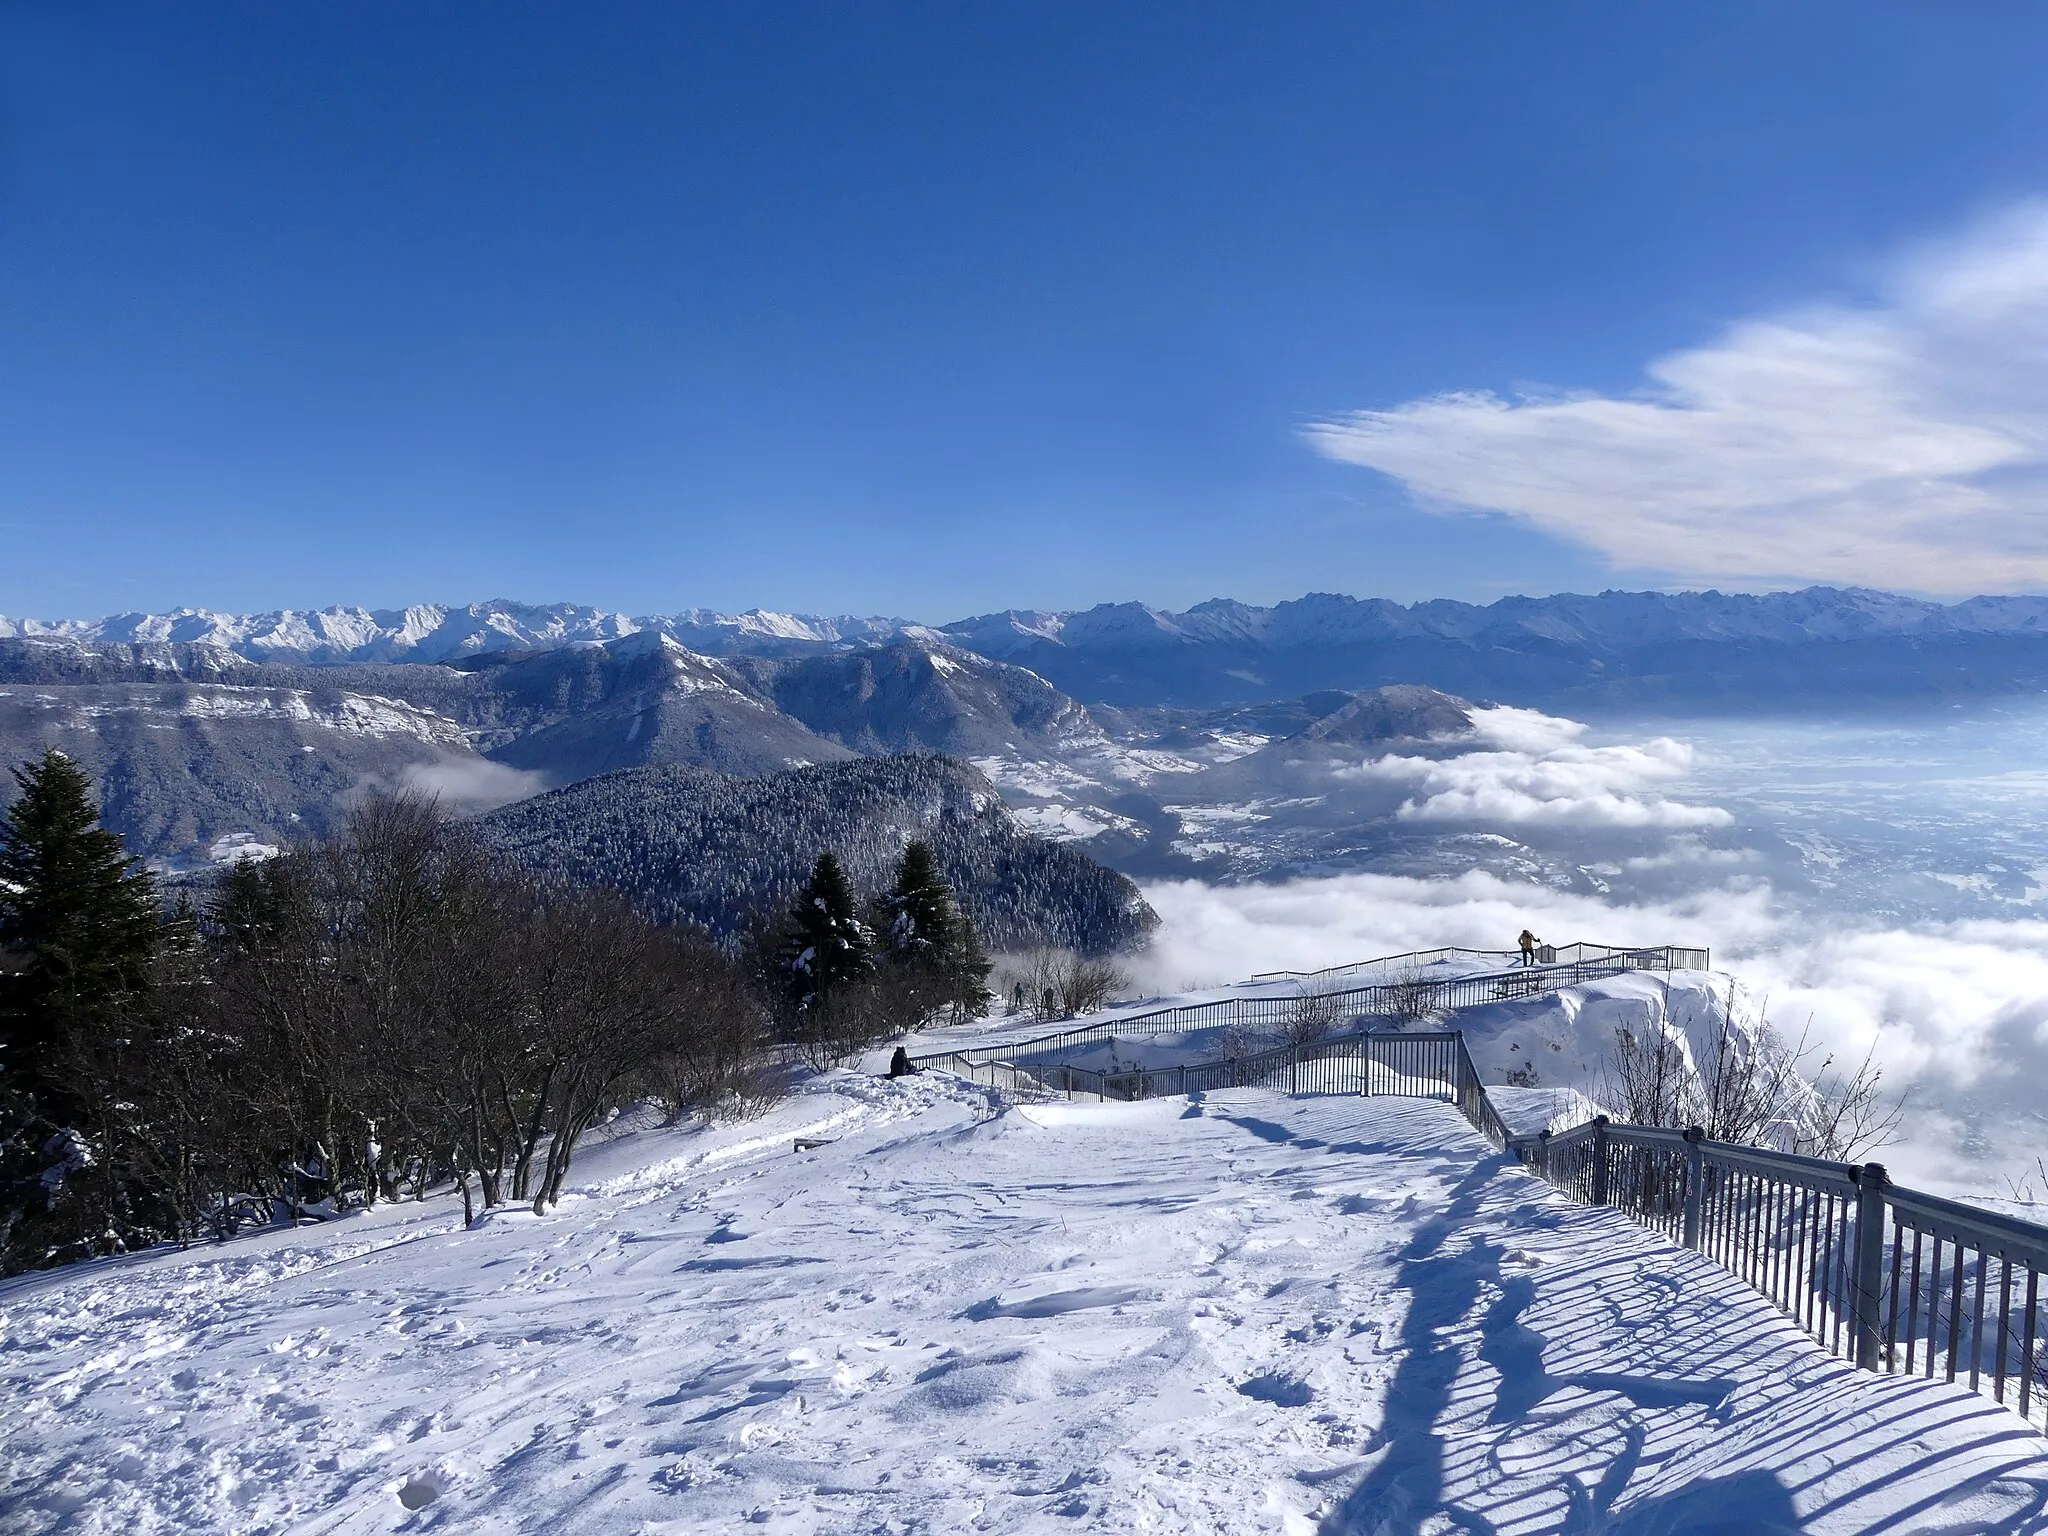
(931,943)
(689,846)
(77,919)
(828,945)
(922,922)
(78,930)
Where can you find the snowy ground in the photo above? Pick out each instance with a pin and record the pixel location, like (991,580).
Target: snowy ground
(1248,1314)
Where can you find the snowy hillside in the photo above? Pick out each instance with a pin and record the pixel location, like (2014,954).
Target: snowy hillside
(1250,1314)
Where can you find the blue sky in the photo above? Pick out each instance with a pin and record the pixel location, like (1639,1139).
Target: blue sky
(932,309)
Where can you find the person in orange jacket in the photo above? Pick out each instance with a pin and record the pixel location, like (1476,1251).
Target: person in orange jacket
(1528,942)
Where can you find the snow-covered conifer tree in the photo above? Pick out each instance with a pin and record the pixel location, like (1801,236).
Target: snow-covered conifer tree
(828,945)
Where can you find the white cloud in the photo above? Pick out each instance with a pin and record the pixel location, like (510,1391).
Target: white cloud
(1901,443)
(1542,776)
(467,786)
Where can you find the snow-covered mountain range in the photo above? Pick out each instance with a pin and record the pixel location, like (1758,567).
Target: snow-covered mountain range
(444,632)
(1612,649)
(436,632)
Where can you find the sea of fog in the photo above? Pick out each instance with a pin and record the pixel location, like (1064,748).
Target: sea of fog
(1879,884)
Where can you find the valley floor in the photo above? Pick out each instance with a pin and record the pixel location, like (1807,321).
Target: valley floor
(1250,1313)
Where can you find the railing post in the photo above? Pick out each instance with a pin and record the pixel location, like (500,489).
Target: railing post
(1866,1301)
(1600,1160)
(1695,1184)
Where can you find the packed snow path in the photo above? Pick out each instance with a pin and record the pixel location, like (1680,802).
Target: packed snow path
(1251,1313)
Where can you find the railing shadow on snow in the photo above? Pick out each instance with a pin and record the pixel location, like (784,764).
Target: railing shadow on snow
(1895,1280)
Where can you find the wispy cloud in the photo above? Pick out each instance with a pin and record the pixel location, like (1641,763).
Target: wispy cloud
(463,786)
(1901,443)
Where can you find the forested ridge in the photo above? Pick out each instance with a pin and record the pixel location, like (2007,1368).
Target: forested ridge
(687,845)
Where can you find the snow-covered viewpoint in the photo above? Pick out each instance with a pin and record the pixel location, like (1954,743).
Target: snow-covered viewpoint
(1249,1313)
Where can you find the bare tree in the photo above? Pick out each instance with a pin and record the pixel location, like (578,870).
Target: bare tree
(1749,1086)
(2031,1187)
(1852,1114)
(391,1010)
(1648,1077)
(1313,1013)
(725,1065)
(1410,998)
(1060,983)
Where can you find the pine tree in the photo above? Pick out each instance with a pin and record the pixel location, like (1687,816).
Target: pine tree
(967,992)
(827,944)
(78,927)
(932,942)
(254,903)
(78,924)
(923,922)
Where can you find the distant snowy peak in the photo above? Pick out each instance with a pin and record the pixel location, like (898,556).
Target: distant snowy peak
(1000,634)
(433,632)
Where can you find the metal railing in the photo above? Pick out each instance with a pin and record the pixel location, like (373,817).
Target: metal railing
(1408,997)
(1431,1065)
(1895,1280)
(1667,957)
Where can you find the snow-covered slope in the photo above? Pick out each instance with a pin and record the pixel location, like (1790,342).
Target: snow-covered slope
(182,765)
(1252,1314)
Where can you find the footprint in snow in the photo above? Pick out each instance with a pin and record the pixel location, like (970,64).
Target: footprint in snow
(1055,1303)
(1280,1391)
(421,1489)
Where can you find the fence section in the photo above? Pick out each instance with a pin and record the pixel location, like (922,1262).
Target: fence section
(1433,1065)
(1893,1279)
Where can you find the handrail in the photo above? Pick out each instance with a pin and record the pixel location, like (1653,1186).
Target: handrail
(1696,959)
(1735,1154)
(1409,957)
(2024,1241)
(1895,1279)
